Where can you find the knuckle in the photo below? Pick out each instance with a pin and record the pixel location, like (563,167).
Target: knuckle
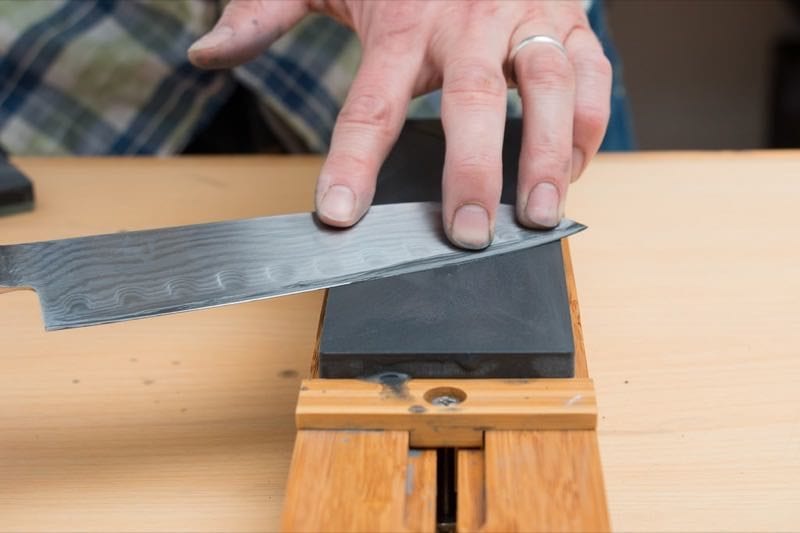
(549,162)
(372,110)
(351,163)
(238,8)
(593,117)
(475,80)
(590,57)
(475,168)
(603,66)
(402,19)
(596,65)
(547,70)
(397,36)
(240,13)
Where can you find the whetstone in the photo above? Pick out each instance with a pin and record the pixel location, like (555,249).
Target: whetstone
(506,317)
(521,480)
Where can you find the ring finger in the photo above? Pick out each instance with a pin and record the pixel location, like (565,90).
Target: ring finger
(546,84)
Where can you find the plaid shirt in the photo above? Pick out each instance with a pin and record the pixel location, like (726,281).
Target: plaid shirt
(112,77)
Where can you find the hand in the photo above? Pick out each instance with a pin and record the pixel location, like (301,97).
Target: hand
(413,47)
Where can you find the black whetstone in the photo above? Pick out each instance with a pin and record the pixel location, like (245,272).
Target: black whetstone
(505,317)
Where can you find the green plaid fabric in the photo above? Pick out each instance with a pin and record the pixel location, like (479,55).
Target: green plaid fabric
(112,77)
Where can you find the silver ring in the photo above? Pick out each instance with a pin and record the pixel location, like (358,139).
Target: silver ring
(535,39)
(545,39)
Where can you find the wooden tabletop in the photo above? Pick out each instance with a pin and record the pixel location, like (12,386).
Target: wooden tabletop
(689,281)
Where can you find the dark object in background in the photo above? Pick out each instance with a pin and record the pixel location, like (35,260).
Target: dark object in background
(16,190)
(506,317)
(243,126)
(784,131)
(785,113)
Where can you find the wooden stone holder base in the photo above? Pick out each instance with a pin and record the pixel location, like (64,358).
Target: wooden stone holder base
(527,458)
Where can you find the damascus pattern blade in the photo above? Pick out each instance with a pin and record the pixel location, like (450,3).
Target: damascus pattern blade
(123,276)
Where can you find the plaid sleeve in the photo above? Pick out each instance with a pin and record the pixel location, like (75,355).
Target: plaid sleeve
(303,78)
(112,77)
(103,77)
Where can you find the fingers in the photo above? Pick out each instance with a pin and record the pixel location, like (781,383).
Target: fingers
(473,117)
(245,29)
(546,84)
(592,96)
(366,129)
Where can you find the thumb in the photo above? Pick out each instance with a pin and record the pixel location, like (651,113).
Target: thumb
(245,29)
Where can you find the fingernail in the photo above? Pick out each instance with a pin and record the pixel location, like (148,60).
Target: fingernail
(542,208)
(577,163)
(213,38)
(471,227)
(338,204)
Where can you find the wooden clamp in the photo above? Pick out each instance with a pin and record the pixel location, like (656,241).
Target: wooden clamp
(451,413)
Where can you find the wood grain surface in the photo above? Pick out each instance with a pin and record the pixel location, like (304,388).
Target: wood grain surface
(329,492)
(471,490)
(544,481)
(688,276)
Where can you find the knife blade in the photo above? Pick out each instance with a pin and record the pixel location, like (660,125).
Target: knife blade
(101,279)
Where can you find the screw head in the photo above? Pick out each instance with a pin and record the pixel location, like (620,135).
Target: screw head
(445,401)
(445,396)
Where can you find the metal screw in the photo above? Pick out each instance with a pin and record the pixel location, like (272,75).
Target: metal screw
(445,396)
(445,401)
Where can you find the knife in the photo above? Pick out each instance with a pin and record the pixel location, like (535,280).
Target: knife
(123,276)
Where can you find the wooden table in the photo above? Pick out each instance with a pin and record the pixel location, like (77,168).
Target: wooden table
(689,282)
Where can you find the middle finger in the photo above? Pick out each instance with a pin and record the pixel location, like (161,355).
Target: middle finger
(473,117)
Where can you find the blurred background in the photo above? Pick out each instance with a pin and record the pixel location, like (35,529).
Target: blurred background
(710,74)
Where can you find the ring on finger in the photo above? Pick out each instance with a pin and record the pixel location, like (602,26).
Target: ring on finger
(543,39)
